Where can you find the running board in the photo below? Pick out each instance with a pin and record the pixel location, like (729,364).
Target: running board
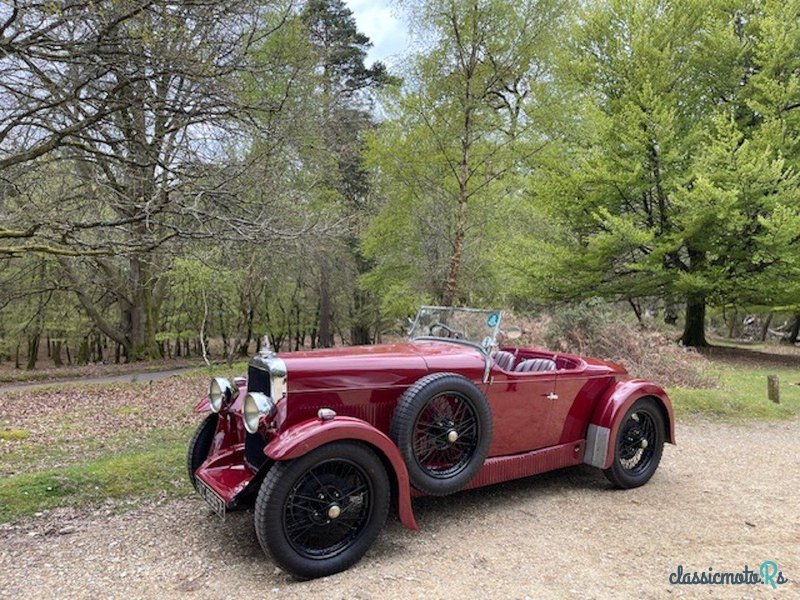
(504,468)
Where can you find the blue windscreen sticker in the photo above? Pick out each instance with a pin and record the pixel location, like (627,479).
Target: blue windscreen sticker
(493,319)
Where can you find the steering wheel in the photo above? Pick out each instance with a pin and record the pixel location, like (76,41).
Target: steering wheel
(451,333)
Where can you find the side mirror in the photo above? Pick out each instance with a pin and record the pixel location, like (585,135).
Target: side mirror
(513,333)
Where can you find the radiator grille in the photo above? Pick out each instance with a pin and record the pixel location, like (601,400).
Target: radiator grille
(254,450)
(257,380)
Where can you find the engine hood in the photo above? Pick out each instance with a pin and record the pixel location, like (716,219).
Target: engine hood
(378,366)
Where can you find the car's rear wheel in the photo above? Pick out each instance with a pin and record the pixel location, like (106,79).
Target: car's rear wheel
(639,445)
(200,444)
(318,514)
(442,426)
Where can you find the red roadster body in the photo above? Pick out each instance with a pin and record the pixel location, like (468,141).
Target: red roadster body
(439,412)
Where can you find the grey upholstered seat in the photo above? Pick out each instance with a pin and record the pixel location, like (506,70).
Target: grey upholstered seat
(504,360)
(535,365)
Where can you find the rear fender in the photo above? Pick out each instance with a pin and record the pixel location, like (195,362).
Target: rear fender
(607,418)
(311,434)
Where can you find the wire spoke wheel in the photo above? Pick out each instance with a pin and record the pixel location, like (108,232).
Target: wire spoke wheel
(639,445)
(327,508)
(318,514)
(443,428)
(445,435)
(637,442)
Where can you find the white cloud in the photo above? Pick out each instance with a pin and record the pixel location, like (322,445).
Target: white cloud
(388,33)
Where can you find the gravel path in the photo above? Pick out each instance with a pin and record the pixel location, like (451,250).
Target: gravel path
(101,379)
(725,497)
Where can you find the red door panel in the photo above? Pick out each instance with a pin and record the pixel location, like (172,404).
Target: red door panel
(521,411)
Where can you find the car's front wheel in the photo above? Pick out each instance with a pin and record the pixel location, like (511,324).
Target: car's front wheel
(639,444)
(200,444)
(318,514)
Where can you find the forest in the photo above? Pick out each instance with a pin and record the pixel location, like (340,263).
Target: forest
(181,178)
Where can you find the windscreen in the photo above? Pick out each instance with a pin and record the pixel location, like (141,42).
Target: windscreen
(477,326)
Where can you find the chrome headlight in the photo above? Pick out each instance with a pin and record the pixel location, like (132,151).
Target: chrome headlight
(257,405)
(219,393)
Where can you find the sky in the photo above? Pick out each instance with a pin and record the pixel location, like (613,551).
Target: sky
(388,33)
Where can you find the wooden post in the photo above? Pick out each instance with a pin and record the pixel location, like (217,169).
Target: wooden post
(773,389)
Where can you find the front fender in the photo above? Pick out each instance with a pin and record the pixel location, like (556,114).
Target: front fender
(608,413)
(311,434)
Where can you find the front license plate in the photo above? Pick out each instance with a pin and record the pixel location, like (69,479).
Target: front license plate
(216,503)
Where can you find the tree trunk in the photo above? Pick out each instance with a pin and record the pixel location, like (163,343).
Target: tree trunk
(33,351)
(732,326)
(142,314)
(694,331)
(793,335)
(325,333)
(637,310)
(456,259)
(244,347)
(765,327)
(223,329)
(83,351)
(57,354)
(359,328)
(362,300)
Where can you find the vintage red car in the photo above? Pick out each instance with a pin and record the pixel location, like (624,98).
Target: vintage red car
(322,441)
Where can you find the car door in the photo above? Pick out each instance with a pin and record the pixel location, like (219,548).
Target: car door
(521,405)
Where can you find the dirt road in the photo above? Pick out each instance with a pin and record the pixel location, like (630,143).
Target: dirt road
(725,497)
(144,377)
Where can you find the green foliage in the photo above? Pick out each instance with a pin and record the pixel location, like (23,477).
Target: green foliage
(533,152)
(679,179)
(457,143)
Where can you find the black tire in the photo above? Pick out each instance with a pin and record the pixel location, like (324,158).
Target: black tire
(639,445)
(200,444)
(293,511)
(435,407)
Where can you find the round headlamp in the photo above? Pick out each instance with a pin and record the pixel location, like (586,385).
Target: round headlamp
(219,393)
(257,405)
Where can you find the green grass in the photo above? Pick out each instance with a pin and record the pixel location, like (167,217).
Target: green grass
(158,470)
(125,466)
(742,395)
(68,451)
(12,435)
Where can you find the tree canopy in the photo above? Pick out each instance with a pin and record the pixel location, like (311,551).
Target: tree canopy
(176,176)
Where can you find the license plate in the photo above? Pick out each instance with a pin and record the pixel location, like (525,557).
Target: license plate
(216,503)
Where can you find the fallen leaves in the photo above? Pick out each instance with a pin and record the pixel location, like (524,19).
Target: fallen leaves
(63,422)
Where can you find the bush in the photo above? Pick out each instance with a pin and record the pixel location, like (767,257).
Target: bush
(602,331)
